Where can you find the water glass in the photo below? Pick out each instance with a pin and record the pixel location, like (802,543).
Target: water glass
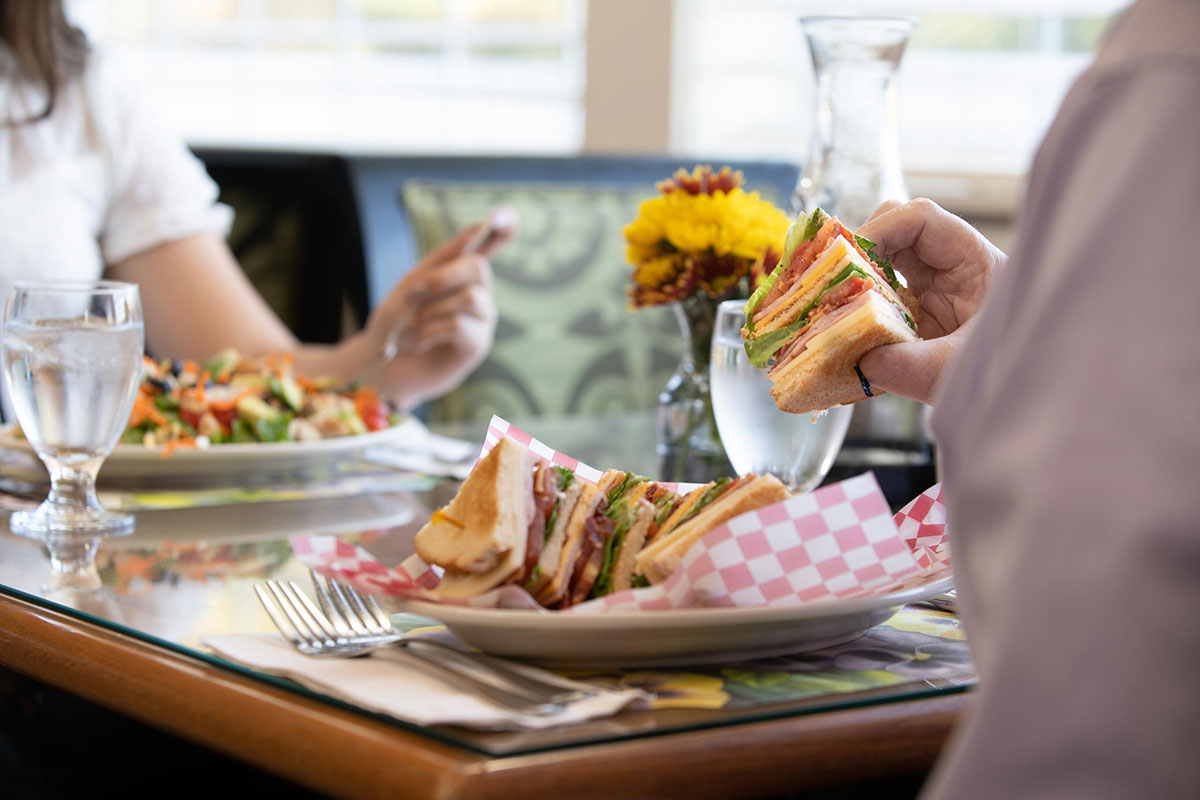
(72,363)
(798,448)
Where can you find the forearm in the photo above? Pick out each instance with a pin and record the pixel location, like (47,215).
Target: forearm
(196,301)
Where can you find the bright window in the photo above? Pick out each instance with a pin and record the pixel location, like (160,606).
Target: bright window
(979,83)
(361,75)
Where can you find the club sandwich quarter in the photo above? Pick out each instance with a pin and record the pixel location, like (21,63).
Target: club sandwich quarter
(830,299)
(518,519)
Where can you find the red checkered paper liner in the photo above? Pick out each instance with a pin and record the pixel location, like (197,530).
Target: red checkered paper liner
(838,542)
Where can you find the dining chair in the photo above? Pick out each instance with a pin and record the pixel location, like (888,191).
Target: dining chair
(566,343)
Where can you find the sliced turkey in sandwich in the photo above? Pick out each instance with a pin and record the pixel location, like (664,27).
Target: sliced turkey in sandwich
(829,301)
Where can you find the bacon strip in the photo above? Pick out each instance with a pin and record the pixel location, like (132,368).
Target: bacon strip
(804,257)
(596,532)
(653,494)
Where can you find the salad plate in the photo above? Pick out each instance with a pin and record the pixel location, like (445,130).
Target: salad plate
(235,416)
(680,637)
(262,459)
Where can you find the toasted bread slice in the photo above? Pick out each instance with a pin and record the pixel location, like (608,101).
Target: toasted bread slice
(486,524)
(824,375)
(683,509)
(661,558)
(470,584)
(626,558)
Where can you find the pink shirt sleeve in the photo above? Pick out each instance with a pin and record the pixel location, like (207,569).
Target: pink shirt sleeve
(1070,439)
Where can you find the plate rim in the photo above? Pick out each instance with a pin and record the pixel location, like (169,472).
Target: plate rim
(673,618)
(130,453)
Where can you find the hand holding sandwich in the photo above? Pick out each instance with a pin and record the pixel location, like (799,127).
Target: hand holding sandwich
(949,266)
(830,299)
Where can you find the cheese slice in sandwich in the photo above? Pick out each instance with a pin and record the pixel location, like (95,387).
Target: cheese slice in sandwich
(717,503)
(828,301)
(480,537)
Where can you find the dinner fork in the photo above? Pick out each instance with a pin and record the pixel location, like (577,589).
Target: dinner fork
(354,625)
(342,602)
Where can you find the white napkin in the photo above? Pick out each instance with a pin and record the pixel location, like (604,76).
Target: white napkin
(421,450)
(392,682)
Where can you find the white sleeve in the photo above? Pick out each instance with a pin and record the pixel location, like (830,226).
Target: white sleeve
(157,190)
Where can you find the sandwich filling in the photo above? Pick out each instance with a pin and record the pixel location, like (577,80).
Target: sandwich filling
(824,268)
(549,483)
(862,302)
(604,531)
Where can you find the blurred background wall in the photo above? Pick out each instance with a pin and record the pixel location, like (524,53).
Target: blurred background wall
(705,79)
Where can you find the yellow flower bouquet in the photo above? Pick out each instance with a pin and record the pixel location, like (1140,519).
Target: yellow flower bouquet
(702,234)
(702,240)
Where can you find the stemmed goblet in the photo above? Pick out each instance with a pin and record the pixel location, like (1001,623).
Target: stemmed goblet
(72,362)
(799,449)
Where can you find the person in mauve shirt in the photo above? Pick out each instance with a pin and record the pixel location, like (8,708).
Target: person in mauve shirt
(1067,417)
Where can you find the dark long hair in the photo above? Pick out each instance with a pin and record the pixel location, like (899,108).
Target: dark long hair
(48,49)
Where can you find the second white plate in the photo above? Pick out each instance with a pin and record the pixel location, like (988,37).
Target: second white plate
(131,461)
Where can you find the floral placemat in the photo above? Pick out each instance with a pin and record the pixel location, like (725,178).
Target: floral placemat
(917,644)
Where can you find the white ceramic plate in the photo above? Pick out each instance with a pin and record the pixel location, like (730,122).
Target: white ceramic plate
(131,461)
(669,638)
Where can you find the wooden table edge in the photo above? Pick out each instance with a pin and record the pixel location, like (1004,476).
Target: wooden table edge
(347,754)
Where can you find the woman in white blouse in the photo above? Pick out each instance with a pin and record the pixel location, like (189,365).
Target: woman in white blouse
(92,184)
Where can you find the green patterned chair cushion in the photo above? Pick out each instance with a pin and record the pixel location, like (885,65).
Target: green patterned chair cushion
(566,341)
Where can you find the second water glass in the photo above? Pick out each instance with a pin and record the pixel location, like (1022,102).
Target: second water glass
(757,436)
(72,362)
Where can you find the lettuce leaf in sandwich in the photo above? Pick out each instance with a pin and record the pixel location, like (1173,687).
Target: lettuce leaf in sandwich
(804,229)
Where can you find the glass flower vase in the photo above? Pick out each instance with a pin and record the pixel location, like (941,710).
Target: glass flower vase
(688,445)
(853,167)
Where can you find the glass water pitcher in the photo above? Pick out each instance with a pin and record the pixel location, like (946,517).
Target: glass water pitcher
(853,167)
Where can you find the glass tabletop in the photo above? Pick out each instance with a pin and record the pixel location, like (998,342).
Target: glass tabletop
(189,572)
